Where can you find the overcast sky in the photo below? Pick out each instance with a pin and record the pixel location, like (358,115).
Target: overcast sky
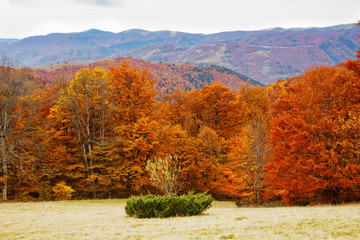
(23,18)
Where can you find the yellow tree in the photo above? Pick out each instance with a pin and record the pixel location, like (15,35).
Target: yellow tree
(165,174)
(84,107)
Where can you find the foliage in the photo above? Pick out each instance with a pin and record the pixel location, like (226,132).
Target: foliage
(83,106)
(165,174)
(168,77)
(314,153)
(296,141)
(18,107)
(168,206)
(249,153)
(62,191)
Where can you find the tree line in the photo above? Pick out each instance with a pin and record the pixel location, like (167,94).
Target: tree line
(296,141)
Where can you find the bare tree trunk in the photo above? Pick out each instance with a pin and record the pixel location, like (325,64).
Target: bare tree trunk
(86,105)
(4,154)
(258,129)
(4,168)
(258,189)
(12,90)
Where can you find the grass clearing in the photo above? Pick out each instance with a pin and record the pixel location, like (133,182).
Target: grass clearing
(106,219)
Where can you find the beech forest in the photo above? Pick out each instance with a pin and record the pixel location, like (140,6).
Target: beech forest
(296,141)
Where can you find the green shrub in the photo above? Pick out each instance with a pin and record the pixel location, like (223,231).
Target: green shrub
(273,204)
(167,206)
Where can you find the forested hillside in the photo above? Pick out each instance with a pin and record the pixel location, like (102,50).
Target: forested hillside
(168,76)
(91,135)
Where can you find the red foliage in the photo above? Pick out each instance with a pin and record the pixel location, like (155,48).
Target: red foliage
(310,139)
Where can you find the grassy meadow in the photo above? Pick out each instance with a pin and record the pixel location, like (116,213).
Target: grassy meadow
(106,219)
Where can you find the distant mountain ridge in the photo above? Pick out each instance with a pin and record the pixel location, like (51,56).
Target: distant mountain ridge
(7,40)
(265,55)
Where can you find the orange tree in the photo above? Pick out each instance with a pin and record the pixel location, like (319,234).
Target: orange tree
(207,119)
(135,129)
(18,106)
(313,130)
(248,150)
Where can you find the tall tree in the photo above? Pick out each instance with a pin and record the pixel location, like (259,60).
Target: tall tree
(16,116)
(249,152)
(84,107)
(217,106)
(310,138)
(136,128)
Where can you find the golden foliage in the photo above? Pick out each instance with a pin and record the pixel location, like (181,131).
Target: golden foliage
(62,191)
(165,174)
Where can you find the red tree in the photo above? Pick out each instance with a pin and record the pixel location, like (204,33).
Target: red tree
(311,138)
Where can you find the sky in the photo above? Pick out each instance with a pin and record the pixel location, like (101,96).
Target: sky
(23,18)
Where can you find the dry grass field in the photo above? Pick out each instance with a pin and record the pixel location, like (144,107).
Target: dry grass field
(106,219)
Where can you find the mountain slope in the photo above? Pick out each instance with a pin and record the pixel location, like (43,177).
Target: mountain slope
(265,55)
(168,76)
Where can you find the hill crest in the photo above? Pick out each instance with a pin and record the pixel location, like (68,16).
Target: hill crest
(168,76)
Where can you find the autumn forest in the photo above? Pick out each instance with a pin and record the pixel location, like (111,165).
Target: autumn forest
(295,141)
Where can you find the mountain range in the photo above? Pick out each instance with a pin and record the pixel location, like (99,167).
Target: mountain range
(264,55)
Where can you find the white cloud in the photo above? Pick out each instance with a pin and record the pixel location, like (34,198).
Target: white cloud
(101,2)
(90,2)
(21,18)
